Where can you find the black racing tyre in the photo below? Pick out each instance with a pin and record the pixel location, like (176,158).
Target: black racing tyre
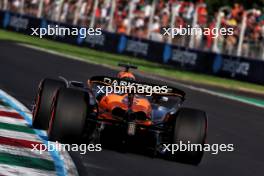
(190,127)
(41,112)
(68,115)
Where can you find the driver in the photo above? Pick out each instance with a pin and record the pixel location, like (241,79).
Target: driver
(126,76)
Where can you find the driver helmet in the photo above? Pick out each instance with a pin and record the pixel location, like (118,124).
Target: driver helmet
(126,75)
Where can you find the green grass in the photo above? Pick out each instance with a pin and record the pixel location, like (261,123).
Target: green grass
(100,57)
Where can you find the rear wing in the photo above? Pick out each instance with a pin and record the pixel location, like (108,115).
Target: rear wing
(127,66)
(138,87)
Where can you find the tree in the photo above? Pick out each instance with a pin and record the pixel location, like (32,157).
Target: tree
(214,5)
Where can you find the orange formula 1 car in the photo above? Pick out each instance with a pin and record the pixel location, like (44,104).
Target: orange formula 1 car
(121,111)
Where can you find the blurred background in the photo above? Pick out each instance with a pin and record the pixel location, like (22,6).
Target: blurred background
(146,19)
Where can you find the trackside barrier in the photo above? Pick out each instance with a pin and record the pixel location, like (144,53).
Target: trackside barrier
(238,68)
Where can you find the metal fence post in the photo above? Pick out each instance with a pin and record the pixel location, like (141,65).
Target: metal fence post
(59,10)
(218,25)
(110,23)
(130,16)
(22,5)
(175,11)
(153,9)
(77,13)
(243,29)
(94,13)
(242,34)
(40,8)
(5,4)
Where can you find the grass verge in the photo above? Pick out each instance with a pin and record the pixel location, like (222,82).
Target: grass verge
(145,66)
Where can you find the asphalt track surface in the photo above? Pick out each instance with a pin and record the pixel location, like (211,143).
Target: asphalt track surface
(230,122)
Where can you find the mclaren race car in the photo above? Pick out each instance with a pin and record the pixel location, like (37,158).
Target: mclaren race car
(122,108)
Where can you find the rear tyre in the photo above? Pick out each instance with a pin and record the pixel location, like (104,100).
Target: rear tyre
(69,111)
(46,92)
(190,127)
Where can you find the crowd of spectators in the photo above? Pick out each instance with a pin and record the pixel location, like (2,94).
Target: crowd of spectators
(132,17)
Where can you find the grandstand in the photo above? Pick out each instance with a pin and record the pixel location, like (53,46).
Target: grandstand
(147,18)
